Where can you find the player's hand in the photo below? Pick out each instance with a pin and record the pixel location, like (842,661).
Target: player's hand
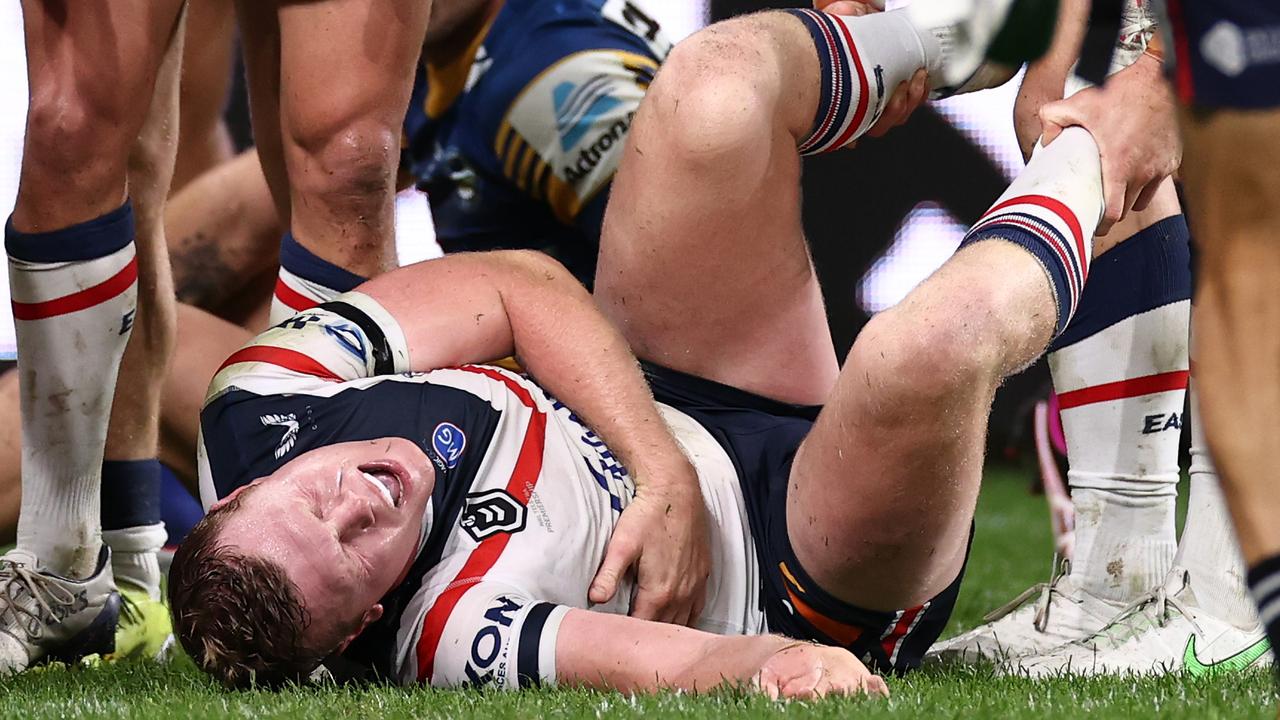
(1132,118)
(805,671)
(663,534)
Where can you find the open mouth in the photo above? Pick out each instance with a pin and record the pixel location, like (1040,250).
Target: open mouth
(387,478)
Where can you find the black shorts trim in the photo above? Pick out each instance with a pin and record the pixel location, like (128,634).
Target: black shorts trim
(761,437)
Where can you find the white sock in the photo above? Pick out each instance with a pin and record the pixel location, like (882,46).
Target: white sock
(1208,548)
(306,280)
(133,556)
(861,62)
(1120,372)
(74,295)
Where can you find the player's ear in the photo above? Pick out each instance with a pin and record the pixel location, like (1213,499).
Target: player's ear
(371,616)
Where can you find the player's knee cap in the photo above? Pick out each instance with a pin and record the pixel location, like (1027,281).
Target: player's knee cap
(69,139)
(706,94)
(356,160)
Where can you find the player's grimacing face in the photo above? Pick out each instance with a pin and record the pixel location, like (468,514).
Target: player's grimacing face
(343,521)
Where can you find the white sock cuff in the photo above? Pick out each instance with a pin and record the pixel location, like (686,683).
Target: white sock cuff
(138,539)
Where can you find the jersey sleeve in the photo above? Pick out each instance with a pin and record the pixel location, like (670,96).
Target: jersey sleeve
(563,128)
(489,634)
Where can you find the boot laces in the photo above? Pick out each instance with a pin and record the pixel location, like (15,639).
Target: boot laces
(19,585)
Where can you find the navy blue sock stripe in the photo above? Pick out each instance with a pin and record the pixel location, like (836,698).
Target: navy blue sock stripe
(88,240)
(311,267)
(1264,584)
(1149,270)
(1049,259)
(836,80)
(130,493)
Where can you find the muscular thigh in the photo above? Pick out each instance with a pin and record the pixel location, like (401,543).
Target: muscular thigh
(703,262)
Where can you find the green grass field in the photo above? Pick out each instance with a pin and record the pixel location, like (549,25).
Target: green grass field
(1011,551)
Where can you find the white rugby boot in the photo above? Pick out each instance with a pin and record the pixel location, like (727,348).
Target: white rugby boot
(1042,618)
(47,617)
(1164,631)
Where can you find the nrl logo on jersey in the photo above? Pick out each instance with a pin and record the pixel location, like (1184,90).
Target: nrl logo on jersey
(491,512)
(290,424)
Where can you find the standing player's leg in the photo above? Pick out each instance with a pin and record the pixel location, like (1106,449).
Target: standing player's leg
(345,74)
(72,270)
(1233,183)
(208,62)
(131,487)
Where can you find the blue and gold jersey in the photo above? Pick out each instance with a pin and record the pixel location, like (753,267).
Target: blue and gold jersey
(517,139)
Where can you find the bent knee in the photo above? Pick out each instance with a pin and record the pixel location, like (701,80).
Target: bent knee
(718,91)
(909,362)
(350,162)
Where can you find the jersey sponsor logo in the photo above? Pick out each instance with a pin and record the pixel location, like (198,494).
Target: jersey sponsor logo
(579,105)
(449,441)
(489,643)
(348,337)
(609,473)
(590,157)
(290,424)
(1239,661)
(1159,422)
(495,511)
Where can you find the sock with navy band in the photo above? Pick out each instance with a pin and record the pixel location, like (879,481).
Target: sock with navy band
(1120,370)
(74,293)
(131,522)
(1264,585)
(861,60)
(306,280)
(1051,210)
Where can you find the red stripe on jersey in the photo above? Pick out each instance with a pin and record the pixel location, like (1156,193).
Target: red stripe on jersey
(1133,387)
(292,298)
(524,477)
(891,639)
(287,359)
(1061,210)
(81,300)
(861,112)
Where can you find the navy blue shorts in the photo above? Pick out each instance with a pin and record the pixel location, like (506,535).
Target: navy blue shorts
(761,437)
(1228,53)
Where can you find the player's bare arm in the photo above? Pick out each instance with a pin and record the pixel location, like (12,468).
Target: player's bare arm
(614,652)
(472,308)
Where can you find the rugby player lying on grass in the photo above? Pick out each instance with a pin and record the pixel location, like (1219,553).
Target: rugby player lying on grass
(385,501)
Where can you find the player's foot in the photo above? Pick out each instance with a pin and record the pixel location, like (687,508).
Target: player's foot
(145,629)
(1163,632)
(1044,617)
(981,43)
(47,617)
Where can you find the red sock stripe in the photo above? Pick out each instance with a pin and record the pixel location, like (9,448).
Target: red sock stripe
(293,298)
(1062,211)
(837,84)
(524,477)
(1052,242)
(1133,387)
(863,89)
(82,300)
(281,357)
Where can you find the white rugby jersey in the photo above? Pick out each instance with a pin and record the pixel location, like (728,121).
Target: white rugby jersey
(525,500)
